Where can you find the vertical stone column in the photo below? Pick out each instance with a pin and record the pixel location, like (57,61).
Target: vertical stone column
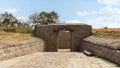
(75,41)
(71,41)
(55,47)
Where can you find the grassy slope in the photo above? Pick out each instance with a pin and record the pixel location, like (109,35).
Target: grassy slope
(110,33)
(10,37)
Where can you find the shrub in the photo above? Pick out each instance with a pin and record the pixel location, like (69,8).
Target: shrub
(106,27)
(9,29)
(18,30)
(28,30)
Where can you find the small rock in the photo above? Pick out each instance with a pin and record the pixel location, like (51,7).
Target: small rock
(88,53)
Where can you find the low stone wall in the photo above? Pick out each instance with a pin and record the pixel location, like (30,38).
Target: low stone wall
(11,50)
(108,49)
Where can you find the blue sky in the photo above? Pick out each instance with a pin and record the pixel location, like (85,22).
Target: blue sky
(98,13)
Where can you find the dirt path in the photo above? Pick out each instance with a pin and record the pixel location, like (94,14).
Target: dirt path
(57,60)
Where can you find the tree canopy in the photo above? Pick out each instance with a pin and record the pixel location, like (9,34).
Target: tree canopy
(8,20)
(10,23)
(44,18)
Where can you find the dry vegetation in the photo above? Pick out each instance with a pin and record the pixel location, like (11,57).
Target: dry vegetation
(110,33)
(10,37)
(107,33)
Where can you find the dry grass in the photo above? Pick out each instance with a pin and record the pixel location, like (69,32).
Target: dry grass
(110,33)
(10,37)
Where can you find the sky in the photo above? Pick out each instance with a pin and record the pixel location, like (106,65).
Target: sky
(98,13)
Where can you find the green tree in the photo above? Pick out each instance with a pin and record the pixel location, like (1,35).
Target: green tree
(44,18)
(8,20)
(20,25)
(5,22)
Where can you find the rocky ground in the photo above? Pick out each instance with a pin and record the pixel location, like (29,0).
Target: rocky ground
(62,59)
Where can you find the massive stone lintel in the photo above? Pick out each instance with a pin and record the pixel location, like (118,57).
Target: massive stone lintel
(49,33)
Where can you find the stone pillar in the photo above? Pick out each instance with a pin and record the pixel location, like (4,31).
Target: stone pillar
(55,47)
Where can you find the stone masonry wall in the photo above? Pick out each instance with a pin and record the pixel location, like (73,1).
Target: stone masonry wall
(108,49)
(49,34)
(11,50)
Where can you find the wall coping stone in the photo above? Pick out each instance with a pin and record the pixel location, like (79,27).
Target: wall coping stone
(23,42)
(112,44)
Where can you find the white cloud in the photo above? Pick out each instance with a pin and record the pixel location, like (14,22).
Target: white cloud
(109,2)
(22,18)
(103,21)
(0,9)
(84,13)
(108,16)
(72,21)
(10,10)
(100,24)
(109,11)
(75,22)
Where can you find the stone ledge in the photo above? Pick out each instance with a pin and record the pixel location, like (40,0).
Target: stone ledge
(112,44)
(11,50)
(12,44)
(98,48)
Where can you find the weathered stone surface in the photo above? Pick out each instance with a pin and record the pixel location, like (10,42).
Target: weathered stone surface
(14,49)
(63,40)
(57,60)
(113,44)
(4,45)
(49,33)
(106,50)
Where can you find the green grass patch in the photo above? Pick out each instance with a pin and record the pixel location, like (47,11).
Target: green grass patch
(17,30)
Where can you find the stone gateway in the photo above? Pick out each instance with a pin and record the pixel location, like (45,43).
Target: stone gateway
(51,35)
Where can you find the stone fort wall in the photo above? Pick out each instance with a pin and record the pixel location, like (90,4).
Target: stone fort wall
(109,49)
(20,48)
(49,33)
